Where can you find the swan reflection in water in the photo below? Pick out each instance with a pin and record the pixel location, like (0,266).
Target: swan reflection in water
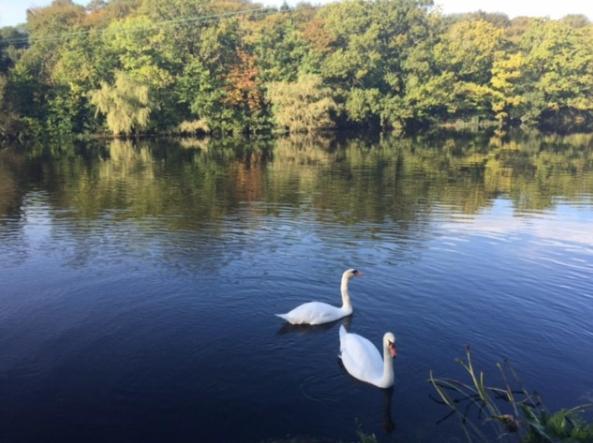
(388,423)
(287,328)
(387,394)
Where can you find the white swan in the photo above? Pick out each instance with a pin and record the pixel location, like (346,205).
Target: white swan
(316,313)
(363,361)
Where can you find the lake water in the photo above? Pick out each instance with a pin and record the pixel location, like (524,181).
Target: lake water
(138,282)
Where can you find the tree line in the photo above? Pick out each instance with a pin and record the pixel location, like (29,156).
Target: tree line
(131,67)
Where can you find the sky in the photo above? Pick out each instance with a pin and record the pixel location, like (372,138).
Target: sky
(13,12)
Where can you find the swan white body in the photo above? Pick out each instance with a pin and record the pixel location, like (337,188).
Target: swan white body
(363,361)
(317,313)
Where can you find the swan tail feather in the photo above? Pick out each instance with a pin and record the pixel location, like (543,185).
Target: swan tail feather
(343,332)
(283,317)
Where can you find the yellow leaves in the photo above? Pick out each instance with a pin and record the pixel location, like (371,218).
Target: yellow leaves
(507,73)
(130,34)
(199,126)
(553,106)
(155,77)
(302,106)
(477,90)
(256,31)
(559,62)
(506,69)
(125,104)
(469,46)
(582,103)
(476,32)
(399,40)
(140,49)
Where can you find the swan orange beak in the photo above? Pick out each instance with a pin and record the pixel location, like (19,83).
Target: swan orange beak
(392,350)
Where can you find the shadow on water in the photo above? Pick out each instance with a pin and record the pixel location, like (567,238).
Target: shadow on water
(287,328)
(387,394)
(388,423)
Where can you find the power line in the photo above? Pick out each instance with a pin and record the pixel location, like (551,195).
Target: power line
(194,19)
(154,25)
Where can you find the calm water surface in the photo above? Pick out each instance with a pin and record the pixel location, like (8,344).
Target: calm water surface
(138,282)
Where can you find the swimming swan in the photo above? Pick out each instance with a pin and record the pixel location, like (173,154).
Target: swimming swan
(316,313)
(363,361)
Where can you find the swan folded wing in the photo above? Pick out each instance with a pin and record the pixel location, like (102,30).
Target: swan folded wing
(361,358)
(313,313)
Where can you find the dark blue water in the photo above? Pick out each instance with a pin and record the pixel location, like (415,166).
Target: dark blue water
(138,283)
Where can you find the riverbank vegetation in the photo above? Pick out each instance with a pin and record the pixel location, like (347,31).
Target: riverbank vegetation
(508,412)
(128,67)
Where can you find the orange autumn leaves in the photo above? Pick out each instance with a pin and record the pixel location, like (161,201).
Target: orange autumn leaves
(241,83)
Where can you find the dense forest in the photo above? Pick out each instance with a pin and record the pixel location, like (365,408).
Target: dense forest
(130,67)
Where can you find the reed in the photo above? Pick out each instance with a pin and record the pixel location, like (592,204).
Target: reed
(508,412)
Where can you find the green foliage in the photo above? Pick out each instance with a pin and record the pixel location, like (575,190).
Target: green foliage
(559,69)
(66,111)
(468,49)
(12,45)
(198,89)
(125,104)
(362,105)
(565,425)
(511,413)
(394,64)
(3,117)
(140,51)
(279,48)
(2,87)
(302,106)
(508,100)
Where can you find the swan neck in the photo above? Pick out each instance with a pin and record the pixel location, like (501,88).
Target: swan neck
(346,304)
(387,368)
